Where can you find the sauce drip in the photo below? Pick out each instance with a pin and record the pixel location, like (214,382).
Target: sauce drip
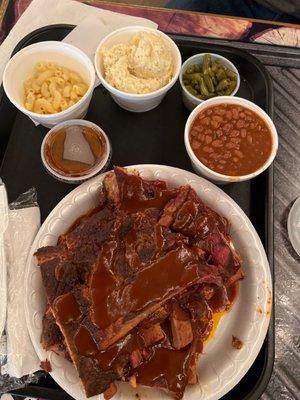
(84,342)
(103,283)
(232,292)
(165,369)
(160,279)
(108,358)
(67,309)
(134,199)
(75,150)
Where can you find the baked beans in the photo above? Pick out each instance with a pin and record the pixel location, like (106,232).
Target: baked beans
(231,139)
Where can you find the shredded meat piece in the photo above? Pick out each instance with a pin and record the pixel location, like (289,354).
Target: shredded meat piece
(110,392)
(46,366)
(152,335)
(193,377)
(236,343)
(239,275)
(112,189)
(136,358)
(193,218)
(172,207)
(182,333)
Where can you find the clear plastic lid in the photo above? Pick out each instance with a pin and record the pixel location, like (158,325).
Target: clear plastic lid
(75,150)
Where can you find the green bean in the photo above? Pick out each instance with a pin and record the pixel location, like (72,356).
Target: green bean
(204,71)
(190,69)
(220,74)
(214,66)
(206,62)
(209,72)
(230,74)
(227,92)
(210,95)
(222,85)
(215,80)
(208,79)
(191,90)
(195,75)
(231,86)
(187,77)
(209,83)
(203,89)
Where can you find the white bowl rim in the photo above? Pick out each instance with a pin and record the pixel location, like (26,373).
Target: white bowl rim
(233,100)
(234,68)
(292,235)
(94,171)
(138,28)
(60,113)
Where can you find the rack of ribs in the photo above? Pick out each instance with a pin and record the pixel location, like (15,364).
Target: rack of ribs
(133,284)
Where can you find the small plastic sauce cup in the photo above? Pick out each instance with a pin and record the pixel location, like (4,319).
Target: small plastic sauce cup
(75,151)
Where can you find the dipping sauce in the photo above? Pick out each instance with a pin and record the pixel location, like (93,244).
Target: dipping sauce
(231,139)
(75,150)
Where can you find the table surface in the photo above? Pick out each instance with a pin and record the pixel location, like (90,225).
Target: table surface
(283,65)
(178,21)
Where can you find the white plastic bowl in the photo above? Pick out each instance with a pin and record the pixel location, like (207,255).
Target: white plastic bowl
(293,224)
(21,67)
(99,168)
(202,169)
(191,101)
(130,101)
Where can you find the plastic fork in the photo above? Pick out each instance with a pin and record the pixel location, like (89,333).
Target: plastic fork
(3,272)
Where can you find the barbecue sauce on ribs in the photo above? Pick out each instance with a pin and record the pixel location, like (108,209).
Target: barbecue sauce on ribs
(145,250)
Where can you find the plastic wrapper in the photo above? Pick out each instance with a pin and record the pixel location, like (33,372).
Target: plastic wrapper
(16,352)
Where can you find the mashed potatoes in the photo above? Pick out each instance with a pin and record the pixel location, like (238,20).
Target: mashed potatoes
(143,65)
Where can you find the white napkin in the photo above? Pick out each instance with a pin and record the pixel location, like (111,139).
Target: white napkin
(23,225)
(46,12)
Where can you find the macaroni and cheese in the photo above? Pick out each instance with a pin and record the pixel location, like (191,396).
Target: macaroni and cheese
(52,89)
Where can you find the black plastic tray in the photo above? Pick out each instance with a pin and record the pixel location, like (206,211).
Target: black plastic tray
(154,137)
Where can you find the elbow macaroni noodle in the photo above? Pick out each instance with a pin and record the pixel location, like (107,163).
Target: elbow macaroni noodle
(52,89)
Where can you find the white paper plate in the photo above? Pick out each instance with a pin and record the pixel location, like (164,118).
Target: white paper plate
(221,366)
